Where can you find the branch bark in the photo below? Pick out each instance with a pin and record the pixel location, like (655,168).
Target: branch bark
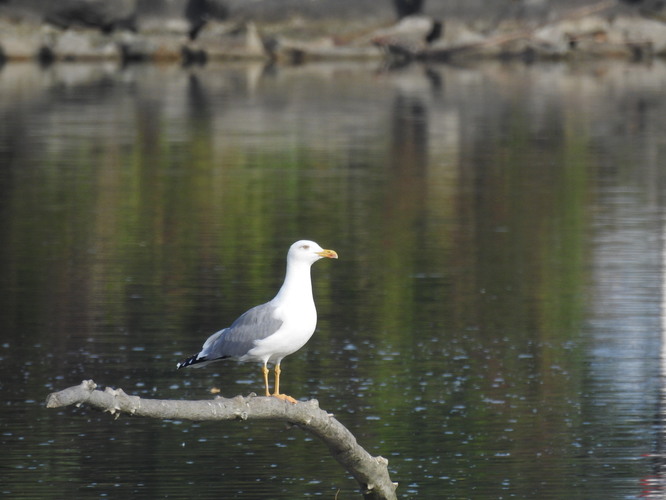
(370,472)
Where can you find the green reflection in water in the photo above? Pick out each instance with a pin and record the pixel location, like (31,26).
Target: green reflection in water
(450,335)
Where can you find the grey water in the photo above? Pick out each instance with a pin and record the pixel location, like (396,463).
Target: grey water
(494,326)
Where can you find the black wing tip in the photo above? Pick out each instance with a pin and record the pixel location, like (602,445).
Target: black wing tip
(190,361)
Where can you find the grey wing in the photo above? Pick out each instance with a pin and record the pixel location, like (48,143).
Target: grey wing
(235,341)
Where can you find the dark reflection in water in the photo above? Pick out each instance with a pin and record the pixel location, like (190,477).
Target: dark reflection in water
(493,326)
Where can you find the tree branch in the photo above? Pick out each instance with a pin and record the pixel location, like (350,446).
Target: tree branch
(370,472)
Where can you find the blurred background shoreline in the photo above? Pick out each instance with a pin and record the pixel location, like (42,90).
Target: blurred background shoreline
(296,31)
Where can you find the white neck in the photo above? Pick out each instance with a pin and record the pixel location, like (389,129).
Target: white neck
(297,282)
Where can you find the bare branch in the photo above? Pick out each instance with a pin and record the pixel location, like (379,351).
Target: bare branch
(370,472)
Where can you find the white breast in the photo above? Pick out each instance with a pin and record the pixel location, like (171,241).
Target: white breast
(300,321)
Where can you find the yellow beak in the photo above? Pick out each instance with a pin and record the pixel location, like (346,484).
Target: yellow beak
(330,254)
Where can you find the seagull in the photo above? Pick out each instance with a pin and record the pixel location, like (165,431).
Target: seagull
(271,331)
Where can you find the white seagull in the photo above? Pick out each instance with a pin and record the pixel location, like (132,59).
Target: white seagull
(273,330)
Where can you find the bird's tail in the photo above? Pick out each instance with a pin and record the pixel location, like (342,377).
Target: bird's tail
(193,360)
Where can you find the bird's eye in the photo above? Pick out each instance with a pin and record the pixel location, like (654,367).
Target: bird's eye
(305,247)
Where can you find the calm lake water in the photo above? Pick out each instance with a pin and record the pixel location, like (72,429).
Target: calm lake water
(494,326)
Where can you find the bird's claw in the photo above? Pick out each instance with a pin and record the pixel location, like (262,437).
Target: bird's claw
(284,397)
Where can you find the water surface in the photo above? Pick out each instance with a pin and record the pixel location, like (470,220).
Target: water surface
(494,325)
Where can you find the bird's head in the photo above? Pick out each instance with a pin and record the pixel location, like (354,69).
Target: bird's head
(309,251)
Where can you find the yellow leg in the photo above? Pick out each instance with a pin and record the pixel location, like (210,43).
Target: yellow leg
(277,380)
(264,369)
(277,394)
